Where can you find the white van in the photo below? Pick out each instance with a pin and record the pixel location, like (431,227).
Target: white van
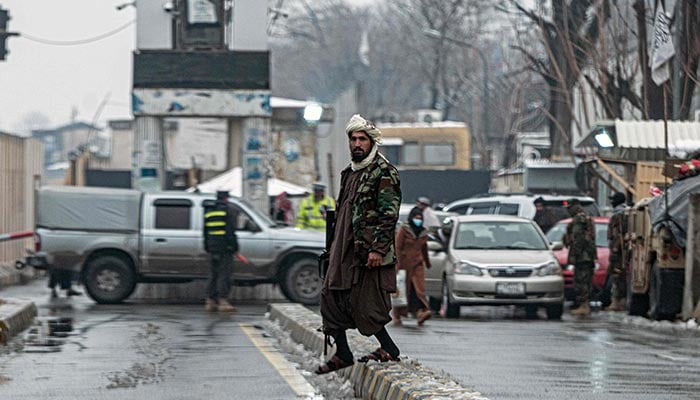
(521,205)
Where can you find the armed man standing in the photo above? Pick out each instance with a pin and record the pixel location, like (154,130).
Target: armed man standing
(221,243)
(361,276)
(580,239)
(617,227)
(312,209)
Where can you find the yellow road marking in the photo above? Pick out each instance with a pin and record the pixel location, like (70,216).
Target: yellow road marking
(299,385)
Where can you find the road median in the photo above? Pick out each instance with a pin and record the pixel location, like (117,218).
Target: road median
(16,315)
(405,380)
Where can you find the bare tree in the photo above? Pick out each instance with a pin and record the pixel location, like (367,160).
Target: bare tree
(652,94)
(566,40)
(613,67)
(314,52)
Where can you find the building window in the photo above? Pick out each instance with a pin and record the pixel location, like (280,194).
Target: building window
(391,153)
(411,154)
(438,154)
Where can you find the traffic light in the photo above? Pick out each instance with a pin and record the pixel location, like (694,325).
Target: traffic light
(4,34)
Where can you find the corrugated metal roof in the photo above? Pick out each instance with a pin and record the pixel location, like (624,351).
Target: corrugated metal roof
(682,135)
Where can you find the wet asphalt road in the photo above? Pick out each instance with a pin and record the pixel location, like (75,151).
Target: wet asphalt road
(176,351)
(143,351)
(500,353)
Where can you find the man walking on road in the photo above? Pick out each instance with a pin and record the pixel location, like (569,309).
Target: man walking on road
(361,276)
(617,227)
(580,239)
(221,243)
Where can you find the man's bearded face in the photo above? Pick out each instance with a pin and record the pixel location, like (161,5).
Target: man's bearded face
(360,145)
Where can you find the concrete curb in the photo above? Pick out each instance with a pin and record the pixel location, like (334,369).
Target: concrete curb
(16,315)
(10,276)
(405,380)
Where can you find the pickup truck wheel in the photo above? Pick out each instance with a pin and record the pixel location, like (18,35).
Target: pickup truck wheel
(301,283)
(109,279)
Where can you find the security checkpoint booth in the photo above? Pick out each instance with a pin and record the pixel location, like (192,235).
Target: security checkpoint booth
(202,59)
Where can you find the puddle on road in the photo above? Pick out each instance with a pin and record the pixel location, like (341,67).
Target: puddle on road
(48,335)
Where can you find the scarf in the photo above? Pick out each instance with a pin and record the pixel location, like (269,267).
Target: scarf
(358,165)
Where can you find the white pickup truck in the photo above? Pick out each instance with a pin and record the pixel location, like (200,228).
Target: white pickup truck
(116,238)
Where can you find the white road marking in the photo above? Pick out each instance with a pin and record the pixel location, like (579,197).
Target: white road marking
(287,371)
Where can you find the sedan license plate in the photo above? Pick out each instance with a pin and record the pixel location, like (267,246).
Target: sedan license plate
(510,289)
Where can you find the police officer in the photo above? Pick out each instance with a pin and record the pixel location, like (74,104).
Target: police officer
(617,227)
(312,209)
(221,243)
(580,239)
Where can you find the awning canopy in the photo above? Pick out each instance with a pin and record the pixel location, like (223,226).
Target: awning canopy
(643,140)
(232,180)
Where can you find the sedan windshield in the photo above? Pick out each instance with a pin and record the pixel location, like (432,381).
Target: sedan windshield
(494,235)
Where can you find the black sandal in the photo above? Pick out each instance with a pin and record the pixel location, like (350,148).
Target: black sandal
(334,364)
(379,355)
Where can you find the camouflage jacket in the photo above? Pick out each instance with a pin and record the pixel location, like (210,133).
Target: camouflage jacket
(617,227)
(375,210)
(580,239)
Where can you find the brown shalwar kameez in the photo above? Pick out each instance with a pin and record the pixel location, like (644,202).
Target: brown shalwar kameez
(352,293)
(412,254)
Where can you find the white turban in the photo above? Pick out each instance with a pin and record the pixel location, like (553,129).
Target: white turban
(357,123)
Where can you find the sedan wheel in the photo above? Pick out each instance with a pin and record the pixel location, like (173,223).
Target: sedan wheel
(448,309)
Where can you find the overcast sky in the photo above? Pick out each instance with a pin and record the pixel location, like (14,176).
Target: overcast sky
(53,79)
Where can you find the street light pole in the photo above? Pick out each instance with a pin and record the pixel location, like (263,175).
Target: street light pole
(485,70)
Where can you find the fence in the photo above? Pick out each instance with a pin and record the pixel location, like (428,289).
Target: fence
(21,167)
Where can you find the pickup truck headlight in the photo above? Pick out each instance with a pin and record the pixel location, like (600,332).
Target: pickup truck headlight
(465,268)
(551,268)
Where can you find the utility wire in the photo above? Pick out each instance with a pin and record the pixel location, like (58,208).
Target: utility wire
(79,41)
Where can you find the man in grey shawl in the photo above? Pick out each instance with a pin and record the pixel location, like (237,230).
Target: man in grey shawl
(356,290)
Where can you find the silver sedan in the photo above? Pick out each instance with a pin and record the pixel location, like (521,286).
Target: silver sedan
(494,260)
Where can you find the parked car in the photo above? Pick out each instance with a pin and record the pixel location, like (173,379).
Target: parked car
(601,287)
(518,204)
(115,238)
(494,260)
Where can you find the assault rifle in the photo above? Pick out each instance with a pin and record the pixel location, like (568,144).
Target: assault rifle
(324,258)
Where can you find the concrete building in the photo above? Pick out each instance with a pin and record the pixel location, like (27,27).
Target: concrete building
(59,142)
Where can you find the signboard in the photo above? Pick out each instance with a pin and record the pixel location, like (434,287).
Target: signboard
(256,139)
(201,12)
(201,103)
(201,143)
